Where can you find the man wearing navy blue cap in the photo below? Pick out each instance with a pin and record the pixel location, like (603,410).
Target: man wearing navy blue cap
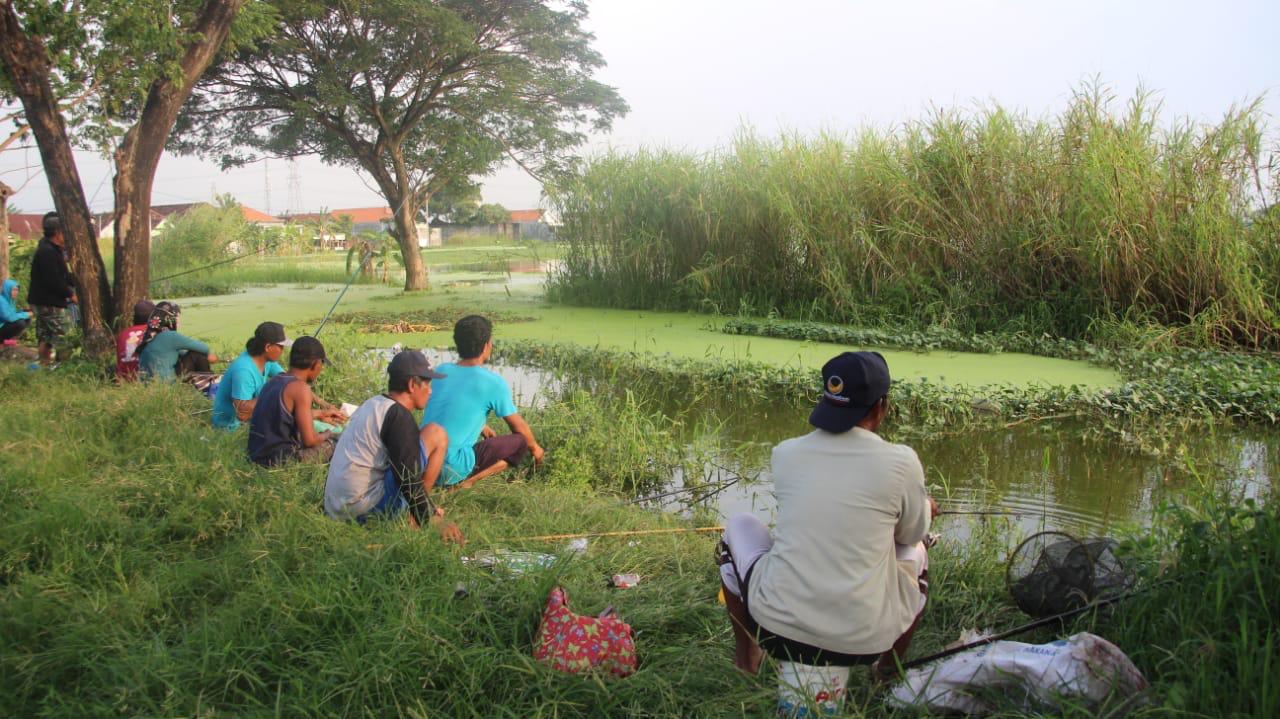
(841,581)
(382,463)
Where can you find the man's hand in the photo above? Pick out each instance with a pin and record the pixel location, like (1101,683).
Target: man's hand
(933,509)
(212,358)
(537,452)
(449,531)
(487,432)
(334,416)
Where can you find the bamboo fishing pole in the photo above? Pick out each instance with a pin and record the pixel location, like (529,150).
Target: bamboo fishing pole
(1046,621)
(367,256)
(626,533)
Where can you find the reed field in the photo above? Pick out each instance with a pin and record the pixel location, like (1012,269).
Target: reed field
(147,569)
(1106,219)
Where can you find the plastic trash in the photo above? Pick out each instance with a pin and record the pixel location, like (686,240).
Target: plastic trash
(513,562)
(805,690)
(624,581)
(1083,669)
(577,546)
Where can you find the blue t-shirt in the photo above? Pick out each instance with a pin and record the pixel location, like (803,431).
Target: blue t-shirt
(158,358)
(242,381)
(460,403)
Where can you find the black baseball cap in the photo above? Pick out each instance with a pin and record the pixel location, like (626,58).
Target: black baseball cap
(272,333)
(412,363)
(50,224)
(142,311)
(851,384)
(305,351)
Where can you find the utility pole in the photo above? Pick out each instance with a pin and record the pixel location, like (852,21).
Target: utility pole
(5,193)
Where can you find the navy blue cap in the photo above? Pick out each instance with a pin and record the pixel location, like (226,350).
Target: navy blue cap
(412,363)
(851,384)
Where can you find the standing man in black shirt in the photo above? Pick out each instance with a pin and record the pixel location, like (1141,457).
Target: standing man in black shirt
(382,463)
(50,289)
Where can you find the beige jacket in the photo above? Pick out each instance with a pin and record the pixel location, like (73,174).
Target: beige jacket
(831,579)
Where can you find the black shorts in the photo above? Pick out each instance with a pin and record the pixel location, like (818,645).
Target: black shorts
(509,448)
(780,647)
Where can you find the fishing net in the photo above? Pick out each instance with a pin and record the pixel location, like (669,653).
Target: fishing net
(1053,572)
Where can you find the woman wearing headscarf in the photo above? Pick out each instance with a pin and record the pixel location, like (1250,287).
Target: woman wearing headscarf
(12,321)
(165,354)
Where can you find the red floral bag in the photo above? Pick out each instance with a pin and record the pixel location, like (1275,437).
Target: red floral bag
(573,643)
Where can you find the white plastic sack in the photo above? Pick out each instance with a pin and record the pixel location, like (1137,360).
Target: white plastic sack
(1083,669)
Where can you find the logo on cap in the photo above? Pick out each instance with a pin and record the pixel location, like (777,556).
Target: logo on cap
(835,385)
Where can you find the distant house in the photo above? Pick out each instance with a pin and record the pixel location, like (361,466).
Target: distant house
(161,215)
(26,227)
(376,220)
(521,225)
(530,225)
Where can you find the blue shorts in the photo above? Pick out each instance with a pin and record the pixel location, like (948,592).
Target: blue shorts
(393,502)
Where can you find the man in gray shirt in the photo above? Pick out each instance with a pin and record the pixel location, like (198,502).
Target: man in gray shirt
(841,581)
(382,464)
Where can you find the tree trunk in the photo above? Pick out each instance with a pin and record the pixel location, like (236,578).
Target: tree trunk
(5,193)
(26,62)
(139,154)
(415,272)
(406,213)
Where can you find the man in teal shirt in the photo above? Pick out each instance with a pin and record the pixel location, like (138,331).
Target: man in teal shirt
(461,402)
(245,376)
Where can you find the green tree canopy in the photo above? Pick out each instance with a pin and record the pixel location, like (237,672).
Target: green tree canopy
(416,93)
(457,202)
(111,75)
(491,213)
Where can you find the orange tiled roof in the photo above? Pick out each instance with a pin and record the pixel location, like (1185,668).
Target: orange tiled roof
(363,215)
(526,215)
(252,215)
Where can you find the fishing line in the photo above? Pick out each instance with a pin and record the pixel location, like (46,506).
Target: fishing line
(367,256)
(718,486)
(237,258)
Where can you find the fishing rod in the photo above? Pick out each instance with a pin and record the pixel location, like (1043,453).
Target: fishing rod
(367,256)
(626,533)
(719,486)
(1026,627)
(237,258)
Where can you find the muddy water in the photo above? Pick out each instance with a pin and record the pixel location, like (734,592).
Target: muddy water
(1061,476)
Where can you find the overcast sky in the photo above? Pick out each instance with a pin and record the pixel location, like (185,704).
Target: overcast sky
(694,71)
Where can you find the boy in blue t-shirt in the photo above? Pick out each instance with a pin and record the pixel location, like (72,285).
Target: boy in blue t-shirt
(461,402)
(245,376)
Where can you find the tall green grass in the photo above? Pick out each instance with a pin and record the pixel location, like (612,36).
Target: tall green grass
(977,220)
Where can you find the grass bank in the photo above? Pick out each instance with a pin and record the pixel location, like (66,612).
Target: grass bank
(146,569)
(1106,216)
